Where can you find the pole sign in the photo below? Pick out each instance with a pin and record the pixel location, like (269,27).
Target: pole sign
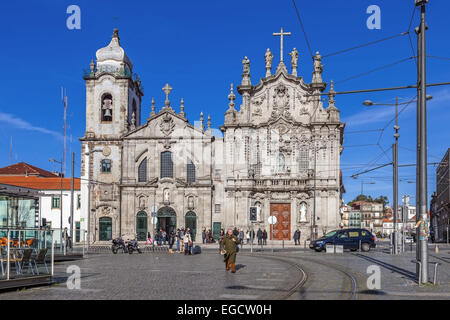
(154,210)
(272,220)
(154,220)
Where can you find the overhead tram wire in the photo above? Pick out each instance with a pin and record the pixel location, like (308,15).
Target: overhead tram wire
(409,34)
(373,70)
(365,44)
(303,29)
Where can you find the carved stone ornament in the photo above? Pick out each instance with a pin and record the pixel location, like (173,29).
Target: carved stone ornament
(106,211)
(281,102)
(280,195)
(167,124)
(106,151)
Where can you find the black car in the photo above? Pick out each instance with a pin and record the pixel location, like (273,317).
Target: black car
(350,238)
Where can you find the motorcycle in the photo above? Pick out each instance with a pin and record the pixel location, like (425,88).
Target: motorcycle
(133,246)
(117,244)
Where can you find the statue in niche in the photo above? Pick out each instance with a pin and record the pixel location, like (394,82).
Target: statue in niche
(303,212)
(142,202)
(166,196)
(191,202)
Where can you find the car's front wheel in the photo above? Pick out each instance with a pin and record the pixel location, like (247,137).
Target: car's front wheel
(365,247)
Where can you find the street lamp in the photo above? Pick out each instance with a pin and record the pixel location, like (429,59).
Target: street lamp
(61,197)
(362,186)
(89,194)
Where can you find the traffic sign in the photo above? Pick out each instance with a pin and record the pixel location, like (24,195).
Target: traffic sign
(154,208)
(272,220)
(154,220)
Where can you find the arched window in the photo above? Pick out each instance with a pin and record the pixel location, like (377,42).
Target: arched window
(107,107)
(190,168)
(166,164)
(142,171)
(281,162)
(106,165)
(303,160)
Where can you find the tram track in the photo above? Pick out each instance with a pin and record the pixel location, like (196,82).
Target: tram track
(299,281)
(352,283)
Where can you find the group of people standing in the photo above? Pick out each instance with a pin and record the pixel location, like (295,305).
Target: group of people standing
(207,236)
(182,238)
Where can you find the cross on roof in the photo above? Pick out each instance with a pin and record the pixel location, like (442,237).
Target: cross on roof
(167,90)
(281,34)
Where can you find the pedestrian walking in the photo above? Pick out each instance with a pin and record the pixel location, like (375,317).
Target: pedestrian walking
(187,242)
(204,236)
(241,237)
(181,239)
(297,237)
(171,241)
(149,239)
(259,235)
(235,232)
(247,236)
(229,245)
(164,237)
(221,236)
(177,236)
(264,237)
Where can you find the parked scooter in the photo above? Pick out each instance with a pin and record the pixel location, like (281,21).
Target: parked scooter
(117,244)
(133,246)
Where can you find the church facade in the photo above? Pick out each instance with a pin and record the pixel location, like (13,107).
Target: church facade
(279,152)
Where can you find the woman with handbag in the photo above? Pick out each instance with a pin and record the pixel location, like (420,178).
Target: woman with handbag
(229,249)
(187,242)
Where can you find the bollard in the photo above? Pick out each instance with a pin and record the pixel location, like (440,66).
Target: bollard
(305,244)
(436,248)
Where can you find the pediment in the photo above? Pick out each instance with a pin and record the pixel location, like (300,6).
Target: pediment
(165,124)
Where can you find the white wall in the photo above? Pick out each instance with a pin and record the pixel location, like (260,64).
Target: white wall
(54,215)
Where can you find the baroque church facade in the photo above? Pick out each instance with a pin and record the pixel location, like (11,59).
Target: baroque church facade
(279,152)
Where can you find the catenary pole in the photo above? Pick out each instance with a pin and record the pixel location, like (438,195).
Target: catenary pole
(423,237)
(395,177)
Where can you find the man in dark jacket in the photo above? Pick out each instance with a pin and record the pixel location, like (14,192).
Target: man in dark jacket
(235,232)
(259,235)
(264,237)
(297,237)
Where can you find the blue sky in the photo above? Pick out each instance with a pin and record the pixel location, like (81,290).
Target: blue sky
(197,47)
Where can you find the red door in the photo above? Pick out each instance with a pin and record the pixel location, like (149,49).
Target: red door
(281,229)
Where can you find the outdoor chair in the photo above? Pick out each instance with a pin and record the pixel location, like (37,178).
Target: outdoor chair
(2,260)
(26,260)
(29,243)
(17,259)
(40,258)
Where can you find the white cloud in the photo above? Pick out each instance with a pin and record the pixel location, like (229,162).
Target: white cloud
(24,125)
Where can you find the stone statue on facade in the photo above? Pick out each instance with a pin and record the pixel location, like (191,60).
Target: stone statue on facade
(318,68)
(246,72)
(294,60)
(268,56)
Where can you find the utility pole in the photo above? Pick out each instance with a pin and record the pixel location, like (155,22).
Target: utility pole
(395,176)
(421,198)
(71,199)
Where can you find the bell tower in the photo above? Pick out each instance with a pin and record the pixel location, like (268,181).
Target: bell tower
(113,93)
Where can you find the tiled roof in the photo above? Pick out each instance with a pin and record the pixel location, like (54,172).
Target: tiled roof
(25,169)
(40,183)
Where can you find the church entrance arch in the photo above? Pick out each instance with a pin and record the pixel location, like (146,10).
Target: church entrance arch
(191,223)
(167,220)
(141,226)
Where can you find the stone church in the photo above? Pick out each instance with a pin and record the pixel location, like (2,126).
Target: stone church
(279,152)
